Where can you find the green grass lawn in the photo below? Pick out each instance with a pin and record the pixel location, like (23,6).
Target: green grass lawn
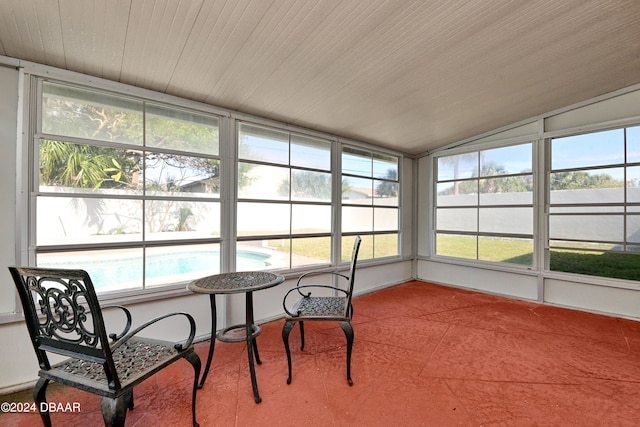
(514,251)
(606,264)
(320,247)
(602,263)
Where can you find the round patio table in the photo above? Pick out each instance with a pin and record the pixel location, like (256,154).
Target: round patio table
(234,283)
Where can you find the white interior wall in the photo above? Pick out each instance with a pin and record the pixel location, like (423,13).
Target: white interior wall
(9,80)
(618,301)
(513,284)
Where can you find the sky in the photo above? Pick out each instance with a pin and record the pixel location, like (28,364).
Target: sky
(587,150)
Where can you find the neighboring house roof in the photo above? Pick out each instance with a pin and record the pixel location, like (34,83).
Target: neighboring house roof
(360,193)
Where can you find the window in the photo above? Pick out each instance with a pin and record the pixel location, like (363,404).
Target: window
(124,188)
(484,205)
(284,210)
(370,203)
(594,204)
(130,189)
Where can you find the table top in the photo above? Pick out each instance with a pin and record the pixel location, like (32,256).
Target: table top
(238,282)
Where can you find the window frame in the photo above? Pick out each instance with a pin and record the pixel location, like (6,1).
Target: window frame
(369,236)
(478,206)
(35,192)
(289,201)
(30,109)
(624,209)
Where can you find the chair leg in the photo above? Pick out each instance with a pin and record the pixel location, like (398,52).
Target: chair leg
(301,335)
(348,332)
(193,358)
(39,396)
(114,410)
(286,330)
(212,342)
(254,345)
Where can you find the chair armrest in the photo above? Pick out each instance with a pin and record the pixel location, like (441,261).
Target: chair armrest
(178,347)
(298,288)
(315,273)
(127,313)
(318,272)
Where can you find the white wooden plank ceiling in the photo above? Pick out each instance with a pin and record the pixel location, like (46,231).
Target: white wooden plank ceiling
(409,75)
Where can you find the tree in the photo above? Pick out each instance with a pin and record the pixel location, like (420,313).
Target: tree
(389,188)
(307,184)
(85,166)
(455,162)
(89,116)
(183,215)
(96,116)
(493,181)
(580,180)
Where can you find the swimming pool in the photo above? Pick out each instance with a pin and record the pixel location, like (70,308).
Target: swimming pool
(116,273)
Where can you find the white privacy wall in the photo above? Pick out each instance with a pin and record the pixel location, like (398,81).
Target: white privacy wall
(609,296)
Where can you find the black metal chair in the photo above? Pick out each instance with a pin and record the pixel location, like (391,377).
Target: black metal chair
(63,316)
(336,307)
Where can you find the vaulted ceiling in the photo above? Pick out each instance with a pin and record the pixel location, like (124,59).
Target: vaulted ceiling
(408,75)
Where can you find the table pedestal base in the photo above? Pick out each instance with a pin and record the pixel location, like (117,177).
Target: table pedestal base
(251,331)
(245,282)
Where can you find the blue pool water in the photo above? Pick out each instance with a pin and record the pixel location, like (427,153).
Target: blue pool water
(173,266)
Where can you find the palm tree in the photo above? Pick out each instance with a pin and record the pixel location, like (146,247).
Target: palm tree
(81,166)
(455,161)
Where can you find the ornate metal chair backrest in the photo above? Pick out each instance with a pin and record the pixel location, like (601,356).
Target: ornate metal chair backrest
(63,316)
(319,308)
(352,273)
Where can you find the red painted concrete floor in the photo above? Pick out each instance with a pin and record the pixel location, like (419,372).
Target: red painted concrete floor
(424,355)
